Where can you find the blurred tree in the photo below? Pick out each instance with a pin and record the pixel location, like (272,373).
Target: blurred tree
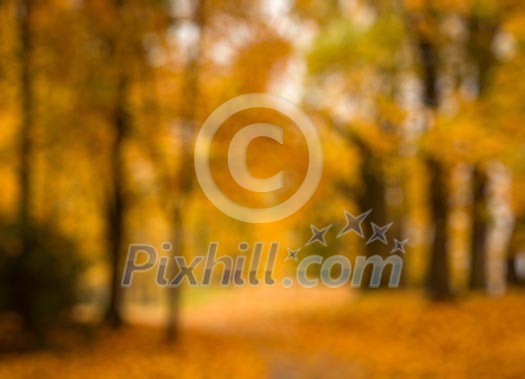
(120,115)
(24,12)
(116,45)
(41,288)
(421,24)
(188,123)
(23,301)
(368,59)
(482,30)
(40,266)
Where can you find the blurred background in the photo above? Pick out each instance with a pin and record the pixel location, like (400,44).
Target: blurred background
(419,105)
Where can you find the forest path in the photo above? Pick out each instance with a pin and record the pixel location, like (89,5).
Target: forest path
(271,318)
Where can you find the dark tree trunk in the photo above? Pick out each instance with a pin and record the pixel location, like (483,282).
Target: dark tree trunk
(396,215)
(21,297)
(373,192)
(480,48)
(428,58)
(116,204)
(438,275)
(24,8)
(372,195)
(478,264)
(172,322)
(438,272)
(374,198)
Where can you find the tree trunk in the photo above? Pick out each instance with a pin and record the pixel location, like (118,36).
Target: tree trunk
(396,214)
(478,264)
(172,322)
(372,196)
(438,275)
(21,297)
(116,204)
(189,116)
(438,272)
(24,8)
(480,48)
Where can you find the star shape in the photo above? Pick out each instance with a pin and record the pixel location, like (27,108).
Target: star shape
(379,233)
(318,235)
(399,246)
(292,254)
(353,224)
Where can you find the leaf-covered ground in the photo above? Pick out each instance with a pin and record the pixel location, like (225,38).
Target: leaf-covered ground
(301,334)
